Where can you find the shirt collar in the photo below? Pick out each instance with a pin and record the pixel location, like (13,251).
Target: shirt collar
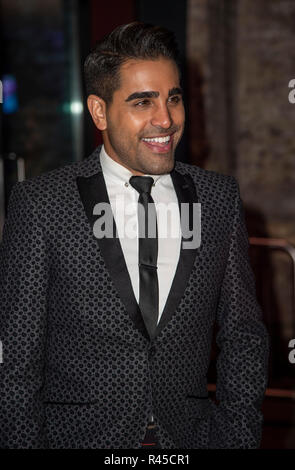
(116,171)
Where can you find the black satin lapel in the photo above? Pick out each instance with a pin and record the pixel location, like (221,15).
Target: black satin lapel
(93,190)
(186,193)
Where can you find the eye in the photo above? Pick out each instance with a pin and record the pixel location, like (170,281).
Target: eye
(142,103)
(174,99)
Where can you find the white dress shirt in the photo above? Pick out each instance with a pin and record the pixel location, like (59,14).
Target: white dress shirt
(124,200)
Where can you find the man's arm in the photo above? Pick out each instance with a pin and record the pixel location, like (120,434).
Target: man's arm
(244,347)
(23,289)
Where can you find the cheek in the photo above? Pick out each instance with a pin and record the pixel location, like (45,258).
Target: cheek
(135,124)
(179,116)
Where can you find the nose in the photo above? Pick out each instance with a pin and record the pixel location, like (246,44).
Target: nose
(161,117)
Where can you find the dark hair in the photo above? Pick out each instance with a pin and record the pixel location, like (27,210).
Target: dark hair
(129,41)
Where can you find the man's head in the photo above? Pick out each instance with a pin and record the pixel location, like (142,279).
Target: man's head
(134,95)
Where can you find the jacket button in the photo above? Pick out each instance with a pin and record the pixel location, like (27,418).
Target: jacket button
(152,351)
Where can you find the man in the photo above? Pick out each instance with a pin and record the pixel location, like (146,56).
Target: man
(104,335)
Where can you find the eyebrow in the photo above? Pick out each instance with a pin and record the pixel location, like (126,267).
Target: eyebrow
(153,94)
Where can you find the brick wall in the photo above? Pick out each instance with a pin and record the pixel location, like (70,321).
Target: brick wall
(241,58)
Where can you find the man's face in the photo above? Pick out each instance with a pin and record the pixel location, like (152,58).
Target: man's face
(148,106)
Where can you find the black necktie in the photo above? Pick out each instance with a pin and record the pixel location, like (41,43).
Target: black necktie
(147,252)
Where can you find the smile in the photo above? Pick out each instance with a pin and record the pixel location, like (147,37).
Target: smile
(160,140)
(159,144)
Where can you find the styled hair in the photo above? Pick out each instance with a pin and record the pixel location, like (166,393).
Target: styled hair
(129,41)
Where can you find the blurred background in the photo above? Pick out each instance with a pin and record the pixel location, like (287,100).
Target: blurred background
(237,61)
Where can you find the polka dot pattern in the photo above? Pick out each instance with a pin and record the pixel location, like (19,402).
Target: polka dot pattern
(76,373)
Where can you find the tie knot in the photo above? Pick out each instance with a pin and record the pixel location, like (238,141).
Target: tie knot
(142,184)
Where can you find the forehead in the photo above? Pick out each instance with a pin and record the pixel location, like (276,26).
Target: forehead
(143,75)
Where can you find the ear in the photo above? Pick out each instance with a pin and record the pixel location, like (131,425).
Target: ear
(97,109)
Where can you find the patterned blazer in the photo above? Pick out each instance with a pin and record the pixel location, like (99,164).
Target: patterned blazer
(79,369)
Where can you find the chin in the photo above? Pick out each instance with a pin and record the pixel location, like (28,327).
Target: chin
(162,169)
(156,166)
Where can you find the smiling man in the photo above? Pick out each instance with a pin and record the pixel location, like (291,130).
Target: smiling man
(107,339)
(141,129)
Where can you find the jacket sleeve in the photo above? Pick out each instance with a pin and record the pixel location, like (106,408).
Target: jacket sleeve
(23,288)
(243,344)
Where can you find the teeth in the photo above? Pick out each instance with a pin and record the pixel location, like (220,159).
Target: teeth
(160,140)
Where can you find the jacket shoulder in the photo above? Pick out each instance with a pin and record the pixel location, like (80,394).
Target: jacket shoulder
(210,185)
(60,180)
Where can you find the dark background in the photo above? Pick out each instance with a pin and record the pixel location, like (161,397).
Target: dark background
(237,60)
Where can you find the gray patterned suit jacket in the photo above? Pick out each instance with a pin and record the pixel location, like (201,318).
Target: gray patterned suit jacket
(79,369)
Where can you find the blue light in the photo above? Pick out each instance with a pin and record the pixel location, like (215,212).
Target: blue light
(10,100)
